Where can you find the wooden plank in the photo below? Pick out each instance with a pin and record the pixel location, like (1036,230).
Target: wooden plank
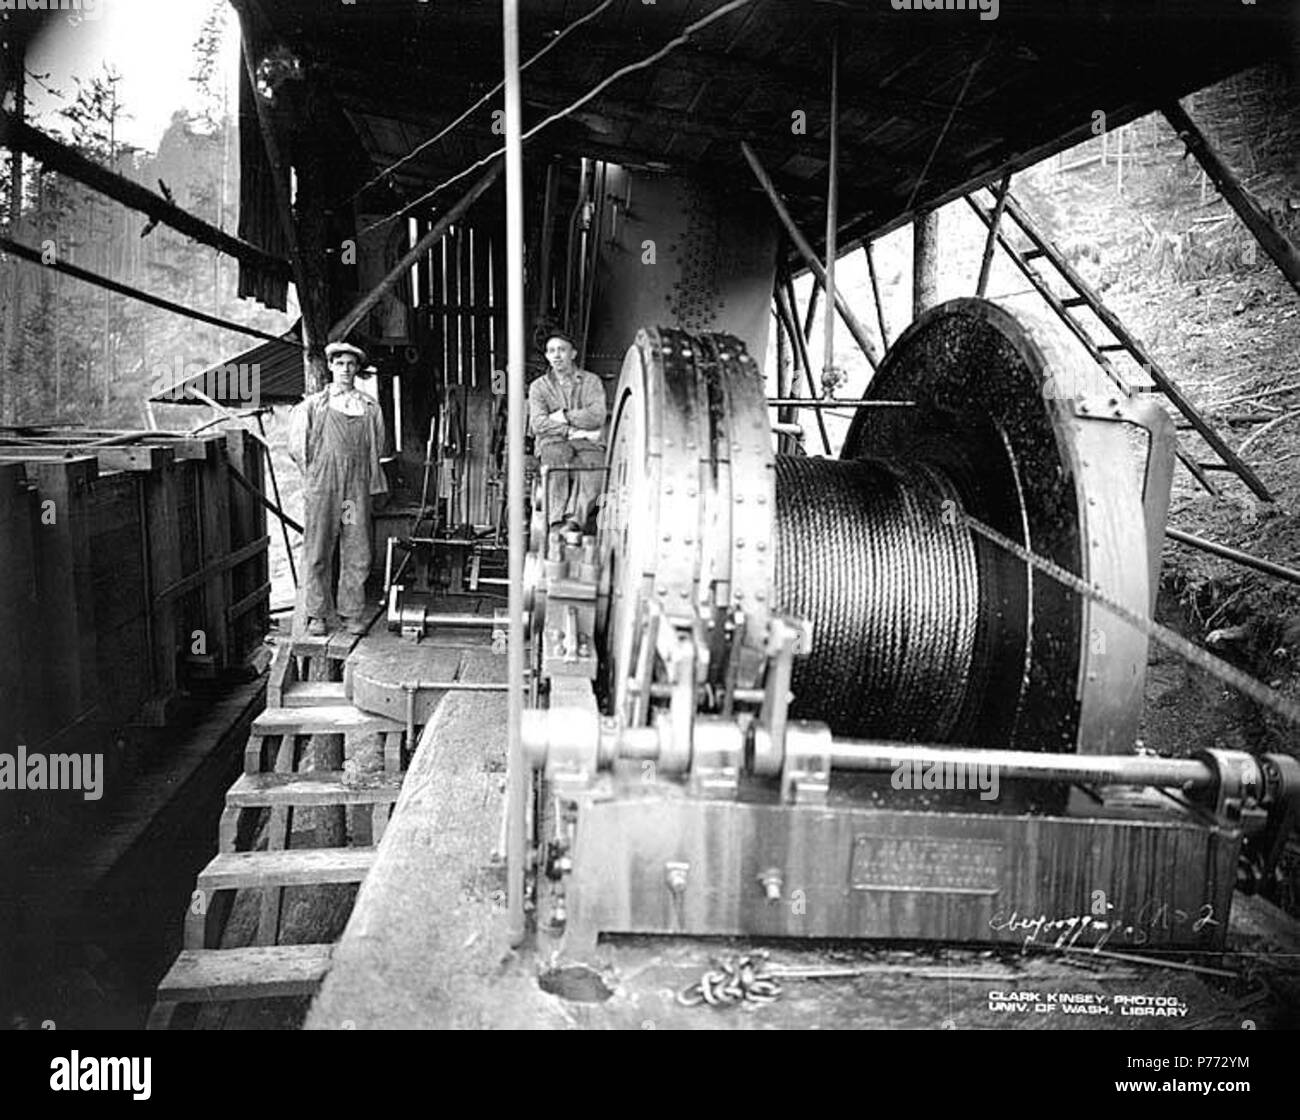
(498,292)
(238,609)
(438,319)
(141,458)
(289,868)
(215,521)
(310,789)
(482,378)
(313,694)
(277,839)
(284,673)
(64,583)
(209,571)
(257,972)
(20,666)
(149,458)
(395,968)
(163,536)
(455,369)
(336,719)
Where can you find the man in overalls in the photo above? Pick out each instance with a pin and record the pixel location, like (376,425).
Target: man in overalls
(336,437)
(566,409)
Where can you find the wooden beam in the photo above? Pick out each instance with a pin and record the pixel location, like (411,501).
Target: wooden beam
(313,321)
(55,156)
(1275,243)
(986,262)
(30,255)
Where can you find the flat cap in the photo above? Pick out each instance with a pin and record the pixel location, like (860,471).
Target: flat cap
(557,332)
(336,348)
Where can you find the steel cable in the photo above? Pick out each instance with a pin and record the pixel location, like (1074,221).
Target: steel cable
(863,552)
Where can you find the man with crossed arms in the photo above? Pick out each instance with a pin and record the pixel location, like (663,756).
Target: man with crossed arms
(566,408)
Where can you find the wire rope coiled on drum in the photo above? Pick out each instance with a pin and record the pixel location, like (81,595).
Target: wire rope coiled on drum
(867,552)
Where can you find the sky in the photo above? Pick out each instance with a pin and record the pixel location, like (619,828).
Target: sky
(149,42)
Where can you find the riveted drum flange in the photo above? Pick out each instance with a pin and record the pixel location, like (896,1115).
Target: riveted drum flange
(689,488)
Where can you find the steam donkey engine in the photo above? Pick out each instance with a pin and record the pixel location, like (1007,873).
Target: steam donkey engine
(761,685)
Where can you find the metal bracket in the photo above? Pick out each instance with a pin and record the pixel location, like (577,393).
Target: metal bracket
(1240,785)
(785,638)
(806,772)
(719,751)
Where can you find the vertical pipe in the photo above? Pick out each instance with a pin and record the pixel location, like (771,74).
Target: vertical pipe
(925,261)
(517,775)
(832,218)
(544,302)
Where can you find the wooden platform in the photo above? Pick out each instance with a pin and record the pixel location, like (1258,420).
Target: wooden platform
(426,946)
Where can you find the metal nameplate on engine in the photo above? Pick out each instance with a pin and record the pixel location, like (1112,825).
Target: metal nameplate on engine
(909,863)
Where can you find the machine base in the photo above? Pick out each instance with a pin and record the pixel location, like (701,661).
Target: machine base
(1106,879)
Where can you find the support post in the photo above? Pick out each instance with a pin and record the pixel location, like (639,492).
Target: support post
(991,242)
(1275,243)
(314,318)
(517,776)
(855,328)
(925,262)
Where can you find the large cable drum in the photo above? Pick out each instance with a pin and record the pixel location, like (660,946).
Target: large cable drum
(922,630)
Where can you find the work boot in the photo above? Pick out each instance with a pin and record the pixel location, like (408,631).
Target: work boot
(316,628)
(354,626)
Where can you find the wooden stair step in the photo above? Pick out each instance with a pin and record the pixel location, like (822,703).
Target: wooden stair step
(325,787)
(257,972)
(332,719)
(313,694)
(285,868)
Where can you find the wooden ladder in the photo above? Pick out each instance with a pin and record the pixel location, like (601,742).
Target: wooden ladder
(274,784)
(1121,341)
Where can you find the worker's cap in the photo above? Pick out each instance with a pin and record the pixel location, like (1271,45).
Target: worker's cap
(558,332)
(334,349)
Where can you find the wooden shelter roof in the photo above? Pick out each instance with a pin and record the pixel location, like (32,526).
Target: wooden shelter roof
(932,102)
